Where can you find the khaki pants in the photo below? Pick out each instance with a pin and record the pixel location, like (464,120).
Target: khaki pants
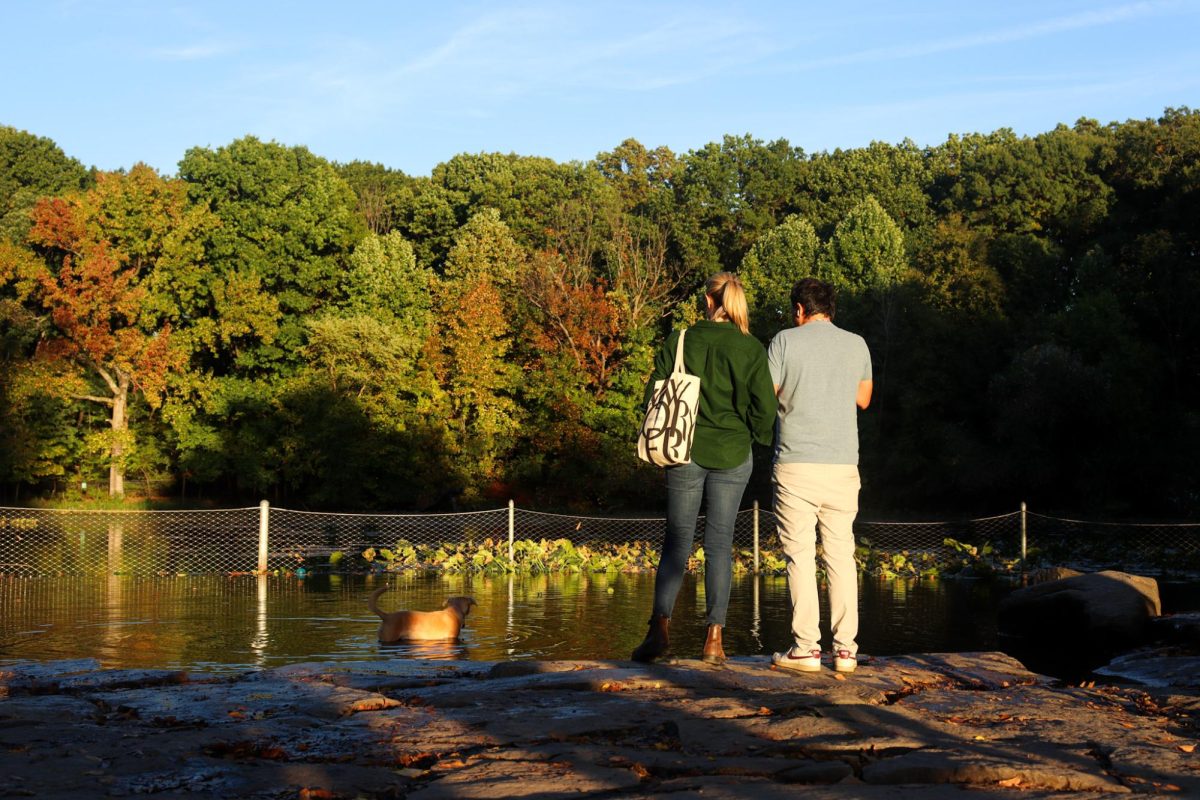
(811,498)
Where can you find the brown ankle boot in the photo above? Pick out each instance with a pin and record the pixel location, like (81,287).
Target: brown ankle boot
(713,652)
(656,642)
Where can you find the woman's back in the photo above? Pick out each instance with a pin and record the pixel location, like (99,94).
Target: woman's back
(737,397)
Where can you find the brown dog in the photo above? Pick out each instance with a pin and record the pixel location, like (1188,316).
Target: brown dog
(443,624)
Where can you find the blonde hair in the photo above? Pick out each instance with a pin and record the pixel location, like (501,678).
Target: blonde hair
(728,296)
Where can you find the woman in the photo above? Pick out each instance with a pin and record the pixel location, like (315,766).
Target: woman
(737,406)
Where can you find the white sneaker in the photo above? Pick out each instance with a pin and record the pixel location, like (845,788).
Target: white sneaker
(844,661)
(805,663)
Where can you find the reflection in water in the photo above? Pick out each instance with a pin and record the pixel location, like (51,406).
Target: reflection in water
(260,641)
(228,624)
(446,649)
(756,621)
(508,631)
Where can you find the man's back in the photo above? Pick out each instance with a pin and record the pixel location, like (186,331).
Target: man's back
(818,368)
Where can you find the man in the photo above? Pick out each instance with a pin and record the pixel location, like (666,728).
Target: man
(822,375)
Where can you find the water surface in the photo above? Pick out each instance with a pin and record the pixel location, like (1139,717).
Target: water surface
(228,624)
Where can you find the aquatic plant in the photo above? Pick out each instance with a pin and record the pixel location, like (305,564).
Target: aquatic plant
(541,556)
(529,556)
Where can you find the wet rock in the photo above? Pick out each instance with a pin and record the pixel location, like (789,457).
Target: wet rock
(1179,629)
(985,671)
(26,677)
(998,768)
(739,789)
(41,670)
(485,778)
(189,777)
(211,704)
(81,675)
(816,772)
(31,710)
(1161,667)
(1070,626)
(1160,766)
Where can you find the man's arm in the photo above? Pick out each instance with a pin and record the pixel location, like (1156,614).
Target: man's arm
(863,399)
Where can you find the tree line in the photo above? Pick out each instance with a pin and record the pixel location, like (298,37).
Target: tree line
(267,323)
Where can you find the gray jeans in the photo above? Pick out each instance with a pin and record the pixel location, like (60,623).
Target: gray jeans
(687,486)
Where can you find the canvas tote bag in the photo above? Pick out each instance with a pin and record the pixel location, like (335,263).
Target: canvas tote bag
(666,435)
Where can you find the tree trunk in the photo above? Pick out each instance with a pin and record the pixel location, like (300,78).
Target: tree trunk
(120,423)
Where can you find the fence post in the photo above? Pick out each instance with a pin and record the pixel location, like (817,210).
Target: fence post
(511,527)
(755,537)
(264,511)
(1024,532)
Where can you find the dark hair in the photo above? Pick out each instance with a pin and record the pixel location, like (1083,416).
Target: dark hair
(816,296)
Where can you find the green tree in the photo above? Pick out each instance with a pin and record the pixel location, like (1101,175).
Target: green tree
(638,174)
(897,176)
(287,220)
(425,215)
(39,431)
(865,252)
(32,167)
(527,192)
(728,195)
(354,422)
(485,247)
(379,190)
(956,272)
(865,260)
(384,278)
(783,255)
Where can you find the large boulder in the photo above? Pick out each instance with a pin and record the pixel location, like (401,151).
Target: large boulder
(1070,626)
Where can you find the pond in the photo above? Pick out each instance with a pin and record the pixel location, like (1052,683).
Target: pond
(223,624)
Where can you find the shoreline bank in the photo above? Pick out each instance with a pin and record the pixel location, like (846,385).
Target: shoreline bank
(429,729)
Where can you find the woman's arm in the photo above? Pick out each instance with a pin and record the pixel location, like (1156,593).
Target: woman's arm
(764,404)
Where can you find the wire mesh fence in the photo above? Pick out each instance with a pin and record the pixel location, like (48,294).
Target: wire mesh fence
(309,539)
(65,542)
(70,542)
(1132,546)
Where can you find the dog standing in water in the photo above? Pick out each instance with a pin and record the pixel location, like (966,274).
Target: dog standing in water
(443,624)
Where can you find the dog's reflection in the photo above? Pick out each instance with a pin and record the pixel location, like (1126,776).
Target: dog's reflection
(451,650)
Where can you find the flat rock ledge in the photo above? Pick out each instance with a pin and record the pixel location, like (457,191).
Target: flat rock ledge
(926,726)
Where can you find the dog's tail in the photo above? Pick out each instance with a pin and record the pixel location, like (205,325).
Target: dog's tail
(375,596)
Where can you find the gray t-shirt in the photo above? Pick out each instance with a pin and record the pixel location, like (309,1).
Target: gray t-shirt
(817,368)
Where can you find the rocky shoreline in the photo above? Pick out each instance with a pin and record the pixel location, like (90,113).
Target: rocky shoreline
(933,724)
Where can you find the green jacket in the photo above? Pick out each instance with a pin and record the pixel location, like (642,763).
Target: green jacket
(737,397)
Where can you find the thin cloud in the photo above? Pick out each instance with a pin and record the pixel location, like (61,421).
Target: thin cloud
(533,51)
(194,52)
(1090,19)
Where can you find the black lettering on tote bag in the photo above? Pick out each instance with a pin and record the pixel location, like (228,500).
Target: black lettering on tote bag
(665,438)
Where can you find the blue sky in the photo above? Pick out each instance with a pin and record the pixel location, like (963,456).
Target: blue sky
(410,84)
